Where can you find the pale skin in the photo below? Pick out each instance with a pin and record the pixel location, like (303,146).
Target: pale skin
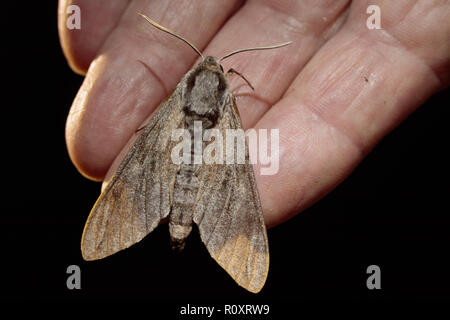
(333,93)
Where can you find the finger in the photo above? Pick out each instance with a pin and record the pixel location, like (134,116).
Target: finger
(97,18)
(258,23)
(135,70)
(358,87)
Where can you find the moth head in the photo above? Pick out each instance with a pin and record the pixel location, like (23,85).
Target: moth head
(212,64)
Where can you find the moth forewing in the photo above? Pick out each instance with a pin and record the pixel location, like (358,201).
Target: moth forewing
(229,215)
(138,195)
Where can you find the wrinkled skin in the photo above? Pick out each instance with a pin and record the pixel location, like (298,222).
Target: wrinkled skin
(333,93)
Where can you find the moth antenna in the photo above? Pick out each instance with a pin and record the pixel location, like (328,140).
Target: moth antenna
(255,48)
(160,27)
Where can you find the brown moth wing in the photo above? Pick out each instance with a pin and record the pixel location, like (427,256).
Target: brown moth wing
(138,196)
(229,216)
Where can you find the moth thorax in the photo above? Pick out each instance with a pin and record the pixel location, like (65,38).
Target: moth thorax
(206,93)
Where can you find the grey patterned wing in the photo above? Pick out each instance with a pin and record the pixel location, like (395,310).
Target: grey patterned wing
(229,217)
(138,195)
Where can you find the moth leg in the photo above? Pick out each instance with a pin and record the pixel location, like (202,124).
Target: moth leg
(231,71)
(139,129)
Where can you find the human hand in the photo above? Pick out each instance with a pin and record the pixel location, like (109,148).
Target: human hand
(333,93)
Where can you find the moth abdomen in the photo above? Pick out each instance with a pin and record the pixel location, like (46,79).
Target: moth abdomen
(182,209)
(186,186)
(178,234)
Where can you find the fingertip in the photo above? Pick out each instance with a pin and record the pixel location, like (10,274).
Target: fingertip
(81,41)
(86,136)
(67,39)
(77,63)
(81,154)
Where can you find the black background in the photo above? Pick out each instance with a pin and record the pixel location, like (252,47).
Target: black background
(392,211)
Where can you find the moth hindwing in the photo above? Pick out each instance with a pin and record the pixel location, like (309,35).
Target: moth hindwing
(220,198)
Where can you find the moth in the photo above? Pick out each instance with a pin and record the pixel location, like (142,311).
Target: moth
(221,199)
